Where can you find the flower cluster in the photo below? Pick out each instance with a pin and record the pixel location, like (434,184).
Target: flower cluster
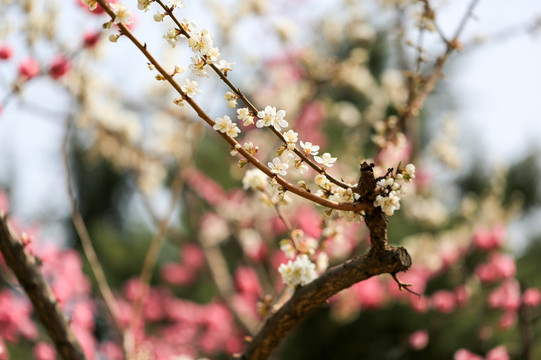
(226,126)
(271,117)
(298,272)
(390,189)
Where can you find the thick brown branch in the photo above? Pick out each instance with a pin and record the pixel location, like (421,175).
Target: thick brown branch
(307,298)
(26,268)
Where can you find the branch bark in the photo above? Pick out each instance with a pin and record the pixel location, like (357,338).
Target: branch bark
(25,266)
(307,298)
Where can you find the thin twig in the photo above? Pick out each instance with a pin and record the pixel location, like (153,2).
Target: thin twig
(152,255)
(86,241)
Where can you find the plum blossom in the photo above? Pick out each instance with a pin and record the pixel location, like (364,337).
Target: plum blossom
(418,340)
(6,52)
(226,126)
(278,167)
(122,14)
(231,98)
(498,353)
(309,148)
(298,272)
(531,297)
(254,179)
(245,116)
(29,68)
(291,138)
(190,88)
(326,160)
(271,117)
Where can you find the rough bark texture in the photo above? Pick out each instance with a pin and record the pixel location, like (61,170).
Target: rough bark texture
(25,266)
(382,258)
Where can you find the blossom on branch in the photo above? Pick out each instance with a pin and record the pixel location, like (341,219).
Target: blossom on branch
(298,272)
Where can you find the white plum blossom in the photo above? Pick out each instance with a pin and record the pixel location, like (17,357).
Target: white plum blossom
(325,160)
(231,98)
(201,41)
(291,138)
(176,3)
(171,36)
(287,248)
(225,66)
(301,166)
(158,17)
(198,67)
(299,272)
(226,126)
(271,117)
(322,181)
(278,167)
(254,179)
(143,4)
(233,130)
(388,203)
(245,116)
(190,87)
(409,172)
(122,14)
(309,148)
(92,4)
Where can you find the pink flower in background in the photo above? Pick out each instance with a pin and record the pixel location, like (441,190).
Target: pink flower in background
(111,350)
(498,353)
(29,68)
(419,305)
(59,66)
(488,239)
(177,274)
(91,38)
(499,266)
(192,256)
(44,351)
(6,52)
(247,282)
(418,340)
(463,354)
(308,220)
(15,317)
(370,293)
(507,320)
(462,295)
(444,301)
(531,297)
(507,296)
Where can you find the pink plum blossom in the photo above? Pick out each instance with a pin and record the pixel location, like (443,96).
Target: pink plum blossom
(444,301)
(44,351)
(419,339)
(59,66)
(6,52)
(498,353)
(29,68)
(463,354)
(531,297)
(489,239)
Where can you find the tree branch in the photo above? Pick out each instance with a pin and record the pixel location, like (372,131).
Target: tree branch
(25,266)
(390,260)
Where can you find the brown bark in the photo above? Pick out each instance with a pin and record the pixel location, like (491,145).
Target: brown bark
(25,266)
